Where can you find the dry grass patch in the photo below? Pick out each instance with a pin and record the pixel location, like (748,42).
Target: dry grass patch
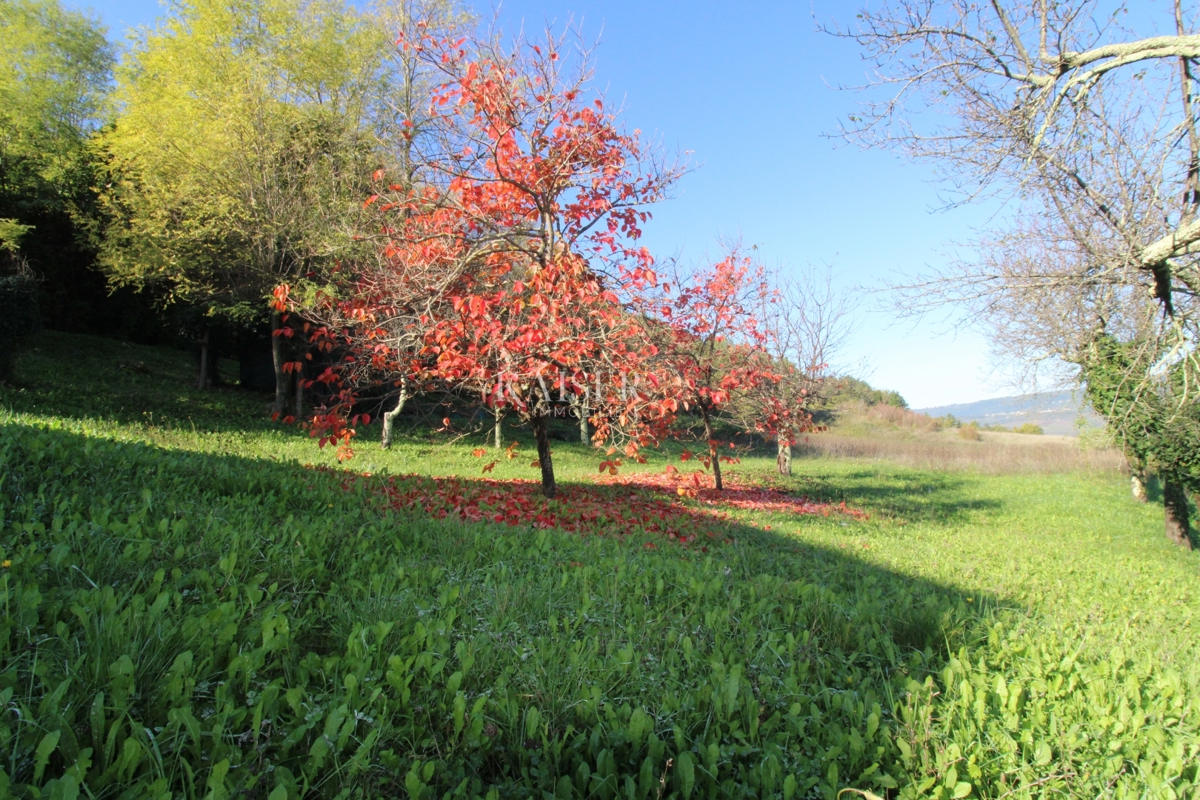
(994,453)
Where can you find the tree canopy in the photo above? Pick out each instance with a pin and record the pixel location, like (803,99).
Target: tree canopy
(55,72)
(244,144)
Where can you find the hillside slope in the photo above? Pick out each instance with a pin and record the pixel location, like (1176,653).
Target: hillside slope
(1055,412)
(201,604)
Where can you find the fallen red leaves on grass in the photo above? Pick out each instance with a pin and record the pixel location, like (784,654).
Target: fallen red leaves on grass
(736,494)
(652,503)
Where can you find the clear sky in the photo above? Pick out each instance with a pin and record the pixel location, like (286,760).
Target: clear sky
(749,89)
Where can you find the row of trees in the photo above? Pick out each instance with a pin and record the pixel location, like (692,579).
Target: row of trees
(1083,119)
(245,140)
(228,149)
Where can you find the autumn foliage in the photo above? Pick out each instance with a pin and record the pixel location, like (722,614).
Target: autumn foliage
(710,345)
(683,508)
(509,268)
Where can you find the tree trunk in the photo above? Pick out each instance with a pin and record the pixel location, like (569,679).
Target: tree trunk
(542,436)
(299,375)
(203,382)
(713,456)
(1137,484)
(585,434)
(1175,506)
(281,378)
(1139,479)
(498,428)
(783,461)
(385,440)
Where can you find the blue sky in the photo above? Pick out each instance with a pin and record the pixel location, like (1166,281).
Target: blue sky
(749,89)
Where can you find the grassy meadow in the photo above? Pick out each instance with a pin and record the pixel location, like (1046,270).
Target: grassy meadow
(191,610)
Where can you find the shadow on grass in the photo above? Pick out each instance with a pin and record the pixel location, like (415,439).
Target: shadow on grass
(900,493)
(91,378)
(172,612)
(127,384)
(543,621)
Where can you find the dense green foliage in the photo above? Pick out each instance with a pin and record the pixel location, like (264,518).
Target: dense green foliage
(53,94)
(277,104)
(1157,420)
(190,613)
(1155,417)
(55,67)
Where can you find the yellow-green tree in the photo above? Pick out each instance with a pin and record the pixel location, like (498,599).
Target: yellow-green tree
(245,139)
(55,69)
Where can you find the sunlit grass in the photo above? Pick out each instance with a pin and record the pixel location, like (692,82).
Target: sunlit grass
(192,605)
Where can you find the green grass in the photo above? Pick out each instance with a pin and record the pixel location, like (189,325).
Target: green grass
(191,612)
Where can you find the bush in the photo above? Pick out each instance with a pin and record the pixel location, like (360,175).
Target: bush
(902,418)
(1029,428)
(19,318)
(970,432)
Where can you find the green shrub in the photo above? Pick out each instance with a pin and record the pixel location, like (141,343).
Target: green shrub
(845,390)
(1029,428)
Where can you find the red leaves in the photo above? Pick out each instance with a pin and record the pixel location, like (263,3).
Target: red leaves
(510,267)
(708,344)
(736,494)
(578,509)
(479,452)
(280,303)
(488,467)
(654,503)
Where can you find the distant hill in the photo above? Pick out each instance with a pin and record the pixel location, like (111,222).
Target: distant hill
(1056,412)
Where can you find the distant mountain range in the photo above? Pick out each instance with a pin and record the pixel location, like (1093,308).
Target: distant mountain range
(1056,412)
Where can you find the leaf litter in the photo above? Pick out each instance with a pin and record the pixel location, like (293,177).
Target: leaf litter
(683,507)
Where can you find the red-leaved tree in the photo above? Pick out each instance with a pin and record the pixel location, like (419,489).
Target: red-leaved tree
(710,346)
(508,263)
